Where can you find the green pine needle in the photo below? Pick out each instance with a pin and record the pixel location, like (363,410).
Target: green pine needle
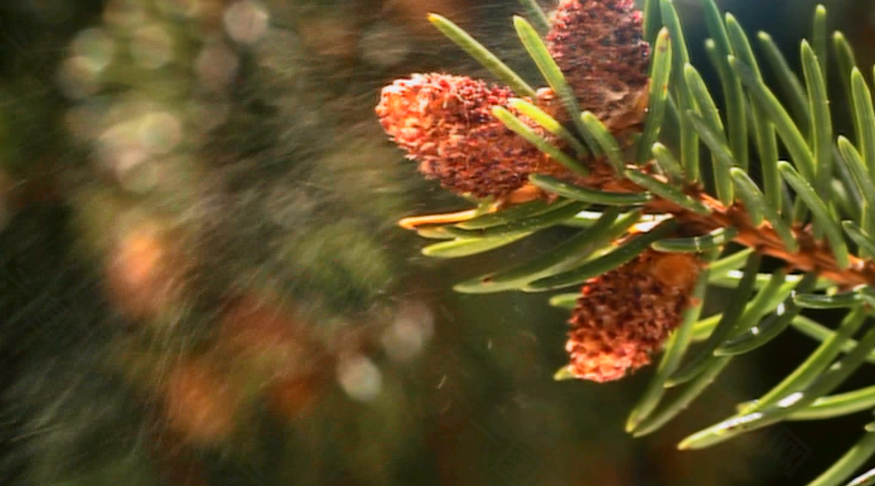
(476,50)
(714,240)
(571,191)
(520,128)
(623,254)
(660,72)
(724,329)
(536,15)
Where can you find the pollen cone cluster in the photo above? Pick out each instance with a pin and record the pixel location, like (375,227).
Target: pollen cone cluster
(446,123)
(598,45)
(625,315)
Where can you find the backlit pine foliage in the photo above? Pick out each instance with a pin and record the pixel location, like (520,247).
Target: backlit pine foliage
(611,143)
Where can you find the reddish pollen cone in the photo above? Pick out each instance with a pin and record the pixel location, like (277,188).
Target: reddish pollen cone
(446,124)
(625,315)
(599,47)
(676,270)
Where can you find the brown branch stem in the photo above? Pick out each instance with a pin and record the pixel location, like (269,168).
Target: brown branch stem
(813,255)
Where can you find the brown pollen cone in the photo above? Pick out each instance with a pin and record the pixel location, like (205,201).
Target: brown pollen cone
(599,47)
(445,122)
(626,314)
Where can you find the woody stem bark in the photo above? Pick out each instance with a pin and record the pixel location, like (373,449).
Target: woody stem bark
(813,255)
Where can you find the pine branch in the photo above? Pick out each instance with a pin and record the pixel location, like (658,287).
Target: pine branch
(653,222)
(812,255)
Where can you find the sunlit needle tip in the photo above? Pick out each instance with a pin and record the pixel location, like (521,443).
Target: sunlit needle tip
(413,222)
